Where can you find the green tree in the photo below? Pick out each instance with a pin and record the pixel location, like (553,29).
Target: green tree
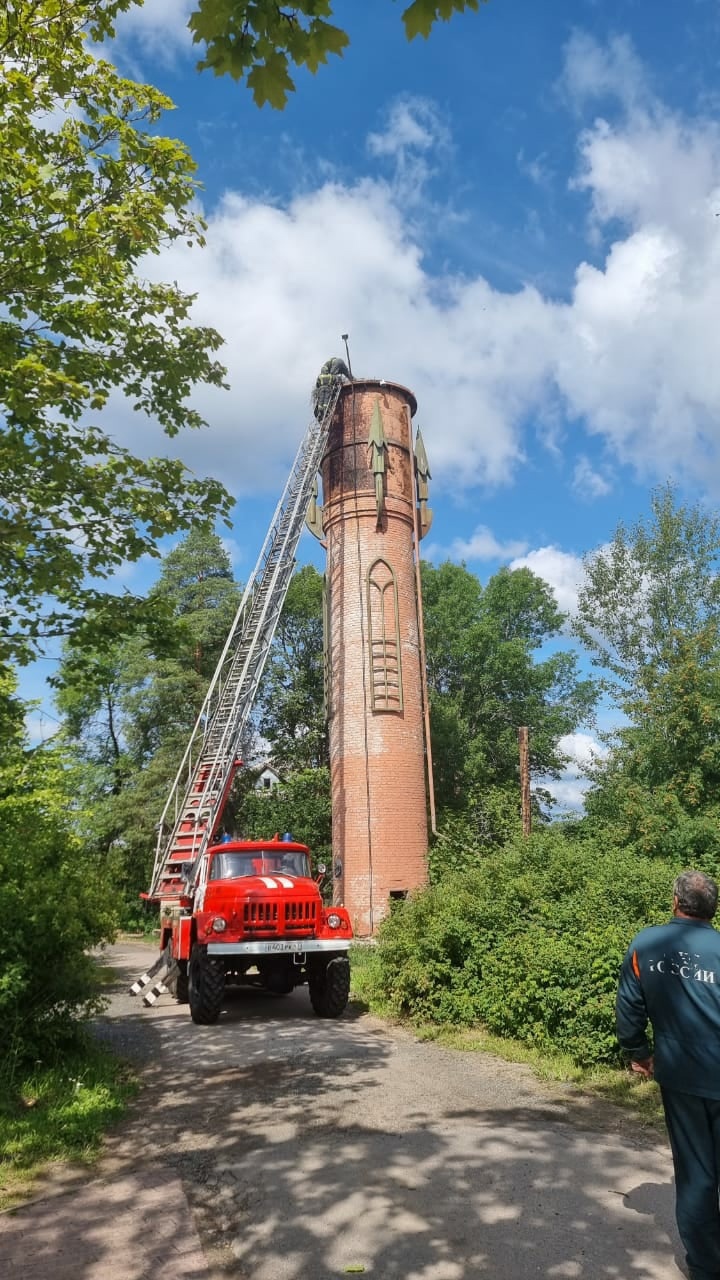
(291,713)
(197,585)
(660,789)
(55,898)
(658,578)
(486,680)
(90,700)
(129,710)
(650,615)
(88,188)
(290,719)
(300,805)
(258,40)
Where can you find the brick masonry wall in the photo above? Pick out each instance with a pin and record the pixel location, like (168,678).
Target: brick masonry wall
(377,757)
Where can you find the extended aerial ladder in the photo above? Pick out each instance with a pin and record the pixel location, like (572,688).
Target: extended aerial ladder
(198,794)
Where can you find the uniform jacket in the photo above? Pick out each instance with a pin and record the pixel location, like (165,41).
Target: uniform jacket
(671,977)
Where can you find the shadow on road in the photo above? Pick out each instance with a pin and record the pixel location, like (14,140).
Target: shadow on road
(311,1149)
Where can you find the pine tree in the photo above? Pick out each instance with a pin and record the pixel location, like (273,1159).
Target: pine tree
(130,712)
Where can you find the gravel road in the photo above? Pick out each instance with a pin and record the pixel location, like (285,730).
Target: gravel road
(310,1150)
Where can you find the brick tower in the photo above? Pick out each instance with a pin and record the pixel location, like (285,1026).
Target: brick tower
(374,679)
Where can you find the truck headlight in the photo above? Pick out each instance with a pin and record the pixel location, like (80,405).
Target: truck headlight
(334,921)
(219,925)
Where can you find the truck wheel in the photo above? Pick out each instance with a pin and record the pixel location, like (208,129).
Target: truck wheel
(182,983)
(206,988)
(330,988)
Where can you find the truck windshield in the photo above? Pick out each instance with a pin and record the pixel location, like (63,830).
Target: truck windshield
(261,862)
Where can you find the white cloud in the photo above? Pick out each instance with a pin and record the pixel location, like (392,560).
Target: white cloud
(414,139)
(654,172)
(630,356)
(282,284)
(561,570)
(536,169)
(593,70)
(158,29)
(568,792)
(483,545)
(236,554)
(639,361)
(582,750)
(412,124)
(589,482)
(39,727)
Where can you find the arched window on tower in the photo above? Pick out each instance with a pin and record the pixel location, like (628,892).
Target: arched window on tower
(384,638)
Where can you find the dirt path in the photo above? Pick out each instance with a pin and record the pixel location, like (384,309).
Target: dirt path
(309,1150)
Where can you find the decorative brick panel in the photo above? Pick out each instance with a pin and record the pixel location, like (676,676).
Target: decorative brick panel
(377,747)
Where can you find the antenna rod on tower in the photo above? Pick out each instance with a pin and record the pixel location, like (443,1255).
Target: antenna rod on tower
(345,337)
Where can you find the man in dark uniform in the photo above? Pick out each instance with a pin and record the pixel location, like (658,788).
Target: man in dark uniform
(671,977)
(331,371)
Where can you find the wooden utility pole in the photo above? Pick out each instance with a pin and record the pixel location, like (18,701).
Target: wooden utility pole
(525,779)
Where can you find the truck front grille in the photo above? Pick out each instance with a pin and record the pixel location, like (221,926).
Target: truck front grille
(301,916)
(267,915)
(261,915)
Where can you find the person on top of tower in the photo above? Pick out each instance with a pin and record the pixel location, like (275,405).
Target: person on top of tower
(332,370)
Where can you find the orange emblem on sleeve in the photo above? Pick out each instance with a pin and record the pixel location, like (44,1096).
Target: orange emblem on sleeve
(635,964)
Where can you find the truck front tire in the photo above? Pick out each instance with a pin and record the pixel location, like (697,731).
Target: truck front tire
(329,985)
(206,987)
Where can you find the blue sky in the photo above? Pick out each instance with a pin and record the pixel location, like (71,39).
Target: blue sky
(518,218)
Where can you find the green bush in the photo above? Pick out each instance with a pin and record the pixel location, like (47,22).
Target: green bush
(490,820)
(528,943)
(55,903)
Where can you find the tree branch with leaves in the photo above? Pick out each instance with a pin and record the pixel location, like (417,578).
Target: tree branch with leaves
(258,41)
(88,189)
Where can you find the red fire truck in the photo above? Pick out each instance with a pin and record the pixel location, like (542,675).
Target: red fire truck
(256,918)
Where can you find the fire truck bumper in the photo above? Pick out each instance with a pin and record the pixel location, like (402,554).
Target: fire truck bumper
(294,946)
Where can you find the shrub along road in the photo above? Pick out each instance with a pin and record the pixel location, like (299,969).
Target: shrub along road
(309,1150)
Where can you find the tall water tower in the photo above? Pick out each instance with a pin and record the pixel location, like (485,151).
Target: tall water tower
(374,480)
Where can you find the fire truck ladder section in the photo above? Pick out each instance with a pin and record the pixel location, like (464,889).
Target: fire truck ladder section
(201,787)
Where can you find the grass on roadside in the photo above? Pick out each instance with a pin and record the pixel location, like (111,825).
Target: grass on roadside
(57,1112)
(614,1085)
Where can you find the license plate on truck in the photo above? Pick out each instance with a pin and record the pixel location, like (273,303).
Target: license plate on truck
(279,945)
